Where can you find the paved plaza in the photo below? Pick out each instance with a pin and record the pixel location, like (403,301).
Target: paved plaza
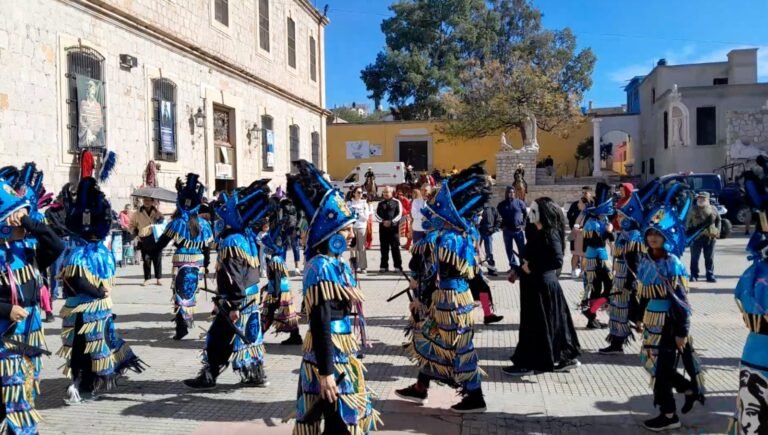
(608,394)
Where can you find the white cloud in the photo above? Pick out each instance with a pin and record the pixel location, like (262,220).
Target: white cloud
(689,54)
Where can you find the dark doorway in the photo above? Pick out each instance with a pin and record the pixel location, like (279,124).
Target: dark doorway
(415,153)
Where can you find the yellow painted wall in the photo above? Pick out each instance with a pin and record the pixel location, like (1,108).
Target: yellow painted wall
(446,152)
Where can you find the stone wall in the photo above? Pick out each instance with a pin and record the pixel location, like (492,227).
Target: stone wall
(749,126)
(563,194)
(507,161)
(34,39)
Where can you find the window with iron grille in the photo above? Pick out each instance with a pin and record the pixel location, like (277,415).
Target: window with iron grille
(87,62)
(221,11)
(651,166)
(293,134)
(267,135)
(666,130)
(316,148)
(264,24)
(164,119)
(312,59)
(291,43)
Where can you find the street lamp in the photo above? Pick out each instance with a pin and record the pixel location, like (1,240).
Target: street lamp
(199,118)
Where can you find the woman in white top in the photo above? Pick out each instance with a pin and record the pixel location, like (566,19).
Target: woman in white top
(359,205)
(420,197)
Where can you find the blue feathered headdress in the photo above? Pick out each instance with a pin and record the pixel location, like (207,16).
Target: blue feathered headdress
(757,198)
(604,201)
(245,205)
(190,193)
(461,196)
(666,213)
(639,200)
(88,212)
(324,205)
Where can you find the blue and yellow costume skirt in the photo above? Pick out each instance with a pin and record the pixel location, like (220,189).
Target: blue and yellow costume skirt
(619,302)
(20,371)
(444,348)
(187,268)
(354,402)
(654,319)
(277,306)
(110,355)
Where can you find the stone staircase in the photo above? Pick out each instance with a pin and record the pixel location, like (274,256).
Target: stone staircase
(545,176)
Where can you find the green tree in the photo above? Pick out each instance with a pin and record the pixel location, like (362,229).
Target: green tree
(487,64)
(529,70)
(427,42)
(584,151)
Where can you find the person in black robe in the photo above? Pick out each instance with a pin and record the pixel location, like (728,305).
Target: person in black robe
(547,339)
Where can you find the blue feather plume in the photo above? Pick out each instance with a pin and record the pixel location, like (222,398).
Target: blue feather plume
(109,165)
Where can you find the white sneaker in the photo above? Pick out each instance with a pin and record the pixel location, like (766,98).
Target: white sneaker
(578,273)
(573,274)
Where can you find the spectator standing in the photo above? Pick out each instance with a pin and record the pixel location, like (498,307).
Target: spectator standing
(577,238)
(420,197)
(405,223)
(513,213)
(549,164)
(141,225)
(490,223)
(124,219)
(290,218)
(359,205)
(703,214)
(388,214)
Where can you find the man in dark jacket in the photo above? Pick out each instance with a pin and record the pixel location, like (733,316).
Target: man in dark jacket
(490,222)
(388,213)
(513,213)
(290,219)
(573,210)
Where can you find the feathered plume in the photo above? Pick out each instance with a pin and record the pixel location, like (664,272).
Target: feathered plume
(307,187)
(108,166)
(470,189)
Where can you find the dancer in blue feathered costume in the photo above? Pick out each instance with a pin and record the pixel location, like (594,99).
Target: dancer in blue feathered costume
(330,295)
(192,237)
(628,249)
(663,284)
(277,304)
(96,356)
(445,349)
(598,276)
(751,296)
(235,336)
(28,247)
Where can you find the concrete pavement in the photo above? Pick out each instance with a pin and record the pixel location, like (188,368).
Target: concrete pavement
(606,395)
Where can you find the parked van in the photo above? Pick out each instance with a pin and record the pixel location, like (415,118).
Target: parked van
(387,174)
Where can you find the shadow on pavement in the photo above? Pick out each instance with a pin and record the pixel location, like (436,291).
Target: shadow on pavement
(202,408)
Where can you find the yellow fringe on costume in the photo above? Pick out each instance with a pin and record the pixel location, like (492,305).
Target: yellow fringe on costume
(94,305)
(329,290)
(188,258)
(659,291)
(358,400)
(346,343)
(278,267)
(20,276)
(237,252)
(450,257)
(753,322)
(72,271)
(183,241)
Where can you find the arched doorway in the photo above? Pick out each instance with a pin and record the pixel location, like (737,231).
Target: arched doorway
(615,152)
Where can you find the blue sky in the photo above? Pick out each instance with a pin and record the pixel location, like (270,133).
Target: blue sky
(628,37)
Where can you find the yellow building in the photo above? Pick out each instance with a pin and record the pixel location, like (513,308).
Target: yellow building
(420,144)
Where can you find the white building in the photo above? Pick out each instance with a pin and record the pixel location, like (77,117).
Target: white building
(232,90)
(680,113)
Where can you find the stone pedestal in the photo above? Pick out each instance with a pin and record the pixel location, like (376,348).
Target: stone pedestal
(507,161)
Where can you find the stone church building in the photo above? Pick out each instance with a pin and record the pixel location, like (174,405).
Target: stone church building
(232,90)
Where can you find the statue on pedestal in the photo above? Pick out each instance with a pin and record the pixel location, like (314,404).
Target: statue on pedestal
(529,129)
(505,146)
